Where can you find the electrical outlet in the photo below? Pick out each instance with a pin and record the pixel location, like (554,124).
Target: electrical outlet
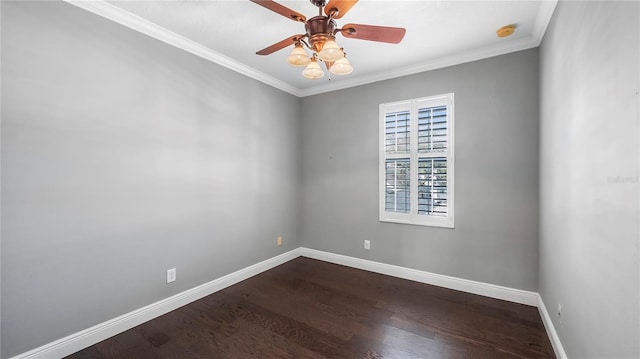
(367,244)
(279,241)
(171,275)
(560,312)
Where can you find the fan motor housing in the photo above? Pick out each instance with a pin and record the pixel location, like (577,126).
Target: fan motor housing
(320,29)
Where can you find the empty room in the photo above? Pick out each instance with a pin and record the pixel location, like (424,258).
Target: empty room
(320,179)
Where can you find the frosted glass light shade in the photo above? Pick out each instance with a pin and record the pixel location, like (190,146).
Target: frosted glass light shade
(298,57)
(313,71)
(341,67)
(331,51)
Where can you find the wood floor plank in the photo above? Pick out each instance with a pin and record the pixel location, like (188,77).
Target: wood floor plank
(128,345)
(311,309)
(314,338)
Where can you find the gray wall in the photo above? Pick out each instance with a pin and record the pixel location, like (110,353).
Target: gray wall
(496,166)
(123,157)
(589,177)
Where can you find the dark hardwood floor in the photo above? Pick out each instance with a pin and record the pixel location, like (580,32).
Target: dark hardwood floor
(311,309)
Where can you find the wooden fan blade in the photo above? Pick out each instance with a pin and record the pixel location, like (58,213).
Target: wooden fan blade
(280,45)
(373,33)
(341,6)
(281,9)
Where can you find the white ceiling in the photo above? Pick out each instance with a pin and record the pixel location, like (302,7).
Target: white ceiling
(439,33)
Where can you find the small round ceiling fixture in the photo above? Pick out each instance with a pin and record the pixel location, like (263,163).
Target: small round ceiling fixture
(506,30)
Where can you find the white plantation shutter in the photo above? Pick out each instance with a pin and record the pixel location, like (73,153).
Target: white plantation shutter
(432,129)
(397,133)
(398,186)
(397,139)
(416,161)
(432,186)
(432,171)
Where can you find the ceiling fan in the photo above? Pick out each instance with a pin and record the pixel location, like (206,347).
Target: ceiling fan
(319,36)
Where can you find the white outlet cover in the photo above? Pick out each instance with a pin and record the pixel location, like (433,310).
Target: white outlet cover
(171,275)
(367,244)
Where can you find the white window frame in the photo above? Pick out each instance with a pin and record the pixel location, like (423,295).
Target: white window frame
(413,106)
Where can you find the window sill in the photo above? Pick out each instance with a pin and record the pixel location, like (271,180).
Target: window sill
(430,222)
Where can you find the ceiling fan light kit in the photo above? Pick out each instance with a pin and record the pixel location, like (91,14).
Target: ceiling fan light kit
(330,51)
(320,37)
(313,70)
(341,67)
(298,57)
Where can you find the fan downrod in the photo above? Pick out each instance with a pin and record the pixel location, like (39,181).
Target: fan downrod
(319,3)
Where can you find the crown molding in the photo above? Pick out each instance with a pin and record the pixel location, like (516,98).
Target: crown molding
(122,17)
(500,48)
(545,13)
(543,18)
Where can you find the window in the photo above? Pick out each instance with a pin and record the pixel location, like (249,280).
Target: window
(416,161)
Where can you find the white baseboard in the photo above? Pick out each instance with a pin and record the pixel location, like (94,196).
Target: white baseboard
(551,330)
(85,338)
(485,289)
(464,285)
